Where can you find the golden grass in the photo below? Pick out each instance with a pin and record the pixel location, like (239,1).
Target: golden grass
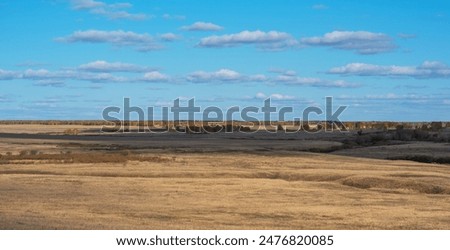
(33,156)
(222,191)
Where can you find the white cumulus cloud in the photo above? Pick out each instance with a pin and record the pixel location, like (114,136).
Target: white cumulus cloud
(428,69)
(313,82)
(111,11)
(8,75)
(274,96)
(104,66)
(169,37)
(202,26)
(362,42)
(155,76)
(272,40)
(86,4)
(222,75)
(173,17)
(142,42)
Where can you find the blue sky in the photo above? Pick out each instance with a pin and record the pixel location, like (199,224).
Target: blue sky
(386,60)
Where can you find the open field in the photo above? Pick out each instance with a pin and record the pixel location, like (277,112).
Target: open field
(51,180)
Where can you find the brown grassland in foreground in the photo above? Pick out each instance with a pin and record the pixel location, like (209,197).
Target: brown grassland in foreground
(126,182)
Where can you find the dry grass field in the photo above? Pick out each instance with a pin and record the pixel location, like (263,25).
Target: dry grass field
(145,182)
